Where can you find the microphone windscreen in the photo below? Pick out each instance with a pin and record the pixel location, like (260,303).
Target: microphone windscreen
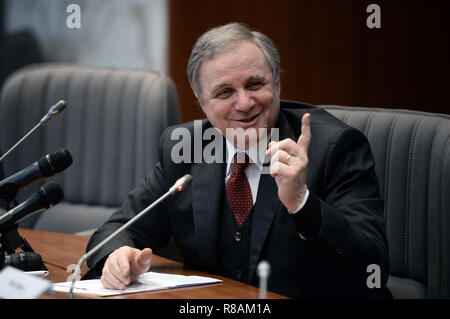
(26,261)
(52,193)
(187,179)
(54,163)
(61,159)
(58,107)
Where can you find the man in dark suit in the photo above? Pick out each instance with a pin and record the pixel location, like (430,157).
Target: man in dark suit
(311,207)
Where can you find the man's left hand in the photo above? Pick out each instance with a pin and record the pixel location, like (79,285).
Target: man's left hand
(289,164)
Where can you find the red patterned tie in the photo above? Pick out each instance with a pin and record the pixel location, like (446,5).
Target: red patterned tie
(239,194)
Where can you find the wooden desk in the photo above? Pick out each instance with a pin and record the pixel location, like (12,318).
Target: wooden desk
(59,250)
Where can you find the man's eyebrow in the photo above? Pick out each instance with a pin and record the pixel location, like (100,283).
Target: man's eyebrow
(250,78)
(256,78)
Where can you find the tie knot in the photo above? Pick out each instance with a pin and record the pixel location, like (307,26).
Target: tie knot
(240,163)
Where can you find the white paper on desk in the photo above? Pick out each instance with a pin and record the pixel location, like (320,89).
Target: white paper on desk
(149,281)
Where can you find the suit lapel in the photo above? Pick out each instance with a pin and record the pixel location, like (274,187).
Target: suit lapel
(207,196)
(266,206)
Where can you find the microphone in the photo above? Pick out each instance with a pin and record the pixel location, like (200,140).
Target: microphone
(48,165)
(48,195)
(26,261)
(263,270)
(179,185)
(52,113)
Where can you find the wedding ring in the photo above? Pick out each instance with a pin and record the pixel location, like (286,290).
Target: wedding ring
(288,157)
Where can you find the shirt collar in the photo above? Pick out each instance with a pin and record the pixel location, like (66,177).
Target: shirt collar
(252,153)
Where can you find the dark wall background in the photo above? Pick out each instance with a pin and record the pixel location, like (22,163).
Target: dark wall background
(328,54)
(17,49)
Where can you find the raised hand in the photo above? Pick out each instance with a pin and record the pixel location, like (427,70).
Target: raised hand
(289,165)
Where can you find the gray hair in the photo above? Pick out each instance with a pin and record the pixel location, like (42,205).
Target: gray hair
(222,38)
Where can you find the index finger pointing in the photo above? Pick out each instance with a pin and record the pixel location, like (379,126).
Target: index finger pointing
(305,137)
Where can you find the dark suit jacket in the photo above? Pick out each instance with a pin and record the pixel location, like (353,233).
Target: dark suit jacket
(343,217)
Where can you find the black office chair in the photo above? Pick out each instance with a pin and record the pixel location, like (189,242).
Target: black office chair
(112,125)
(412,155)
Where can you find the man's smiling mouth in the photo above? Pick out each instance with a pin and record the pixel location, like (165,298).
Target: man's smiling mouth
(249,119)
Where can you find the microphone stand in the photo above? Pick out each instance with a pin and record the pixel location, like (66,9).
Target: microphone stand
(53,112)
(177,187)
(20,142)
